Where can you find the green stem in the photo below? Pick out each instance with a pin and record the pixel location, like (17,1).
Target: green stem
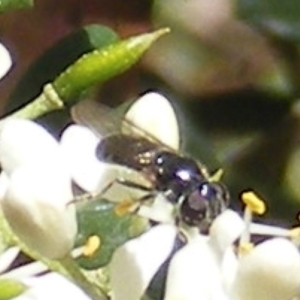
(44,103)
(80,279)
(92,68)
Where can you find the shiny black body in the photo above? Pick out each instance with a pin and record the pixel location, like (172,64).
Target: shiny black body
(182,180)
(162,168)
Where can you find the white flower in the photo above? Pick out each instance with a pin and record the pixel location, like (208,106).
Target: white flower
(194,271)
(128,279)
(207,267)
(36,193)
(270,272)
(5,61)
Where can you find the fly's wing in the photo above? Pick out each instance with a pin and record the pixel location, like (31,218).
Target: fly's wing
(110,125)
(100,119)
(104,121)
(132,148)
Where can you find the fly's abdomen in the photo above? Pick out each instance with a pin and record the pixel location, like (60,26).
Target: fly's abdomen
(125,150)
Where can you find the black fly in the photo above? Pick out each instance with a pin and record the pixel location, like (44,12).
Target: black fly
(182,180)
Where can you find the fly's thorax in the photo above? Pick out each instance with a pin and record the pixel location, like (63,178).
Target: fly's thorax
(175,175)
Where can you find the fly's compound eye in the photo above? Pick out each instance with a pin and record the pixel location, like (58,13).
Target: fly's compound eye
(204,204)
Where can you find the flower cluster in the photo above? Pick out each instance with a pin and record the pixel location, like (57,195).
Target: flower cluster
(37,201)
(207,267)
(210,267)
(36,192)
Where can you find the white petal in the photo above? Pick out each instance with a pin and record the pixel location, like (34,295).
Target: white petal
(154,114)
(7,258)
(3,185)
(194,274)
(134,264)
(161,210)
(225,229)
(271,271)
(37,208)
(24,142)
(52,286)
(79,145)
(25,271)
(228,267)
(5,61)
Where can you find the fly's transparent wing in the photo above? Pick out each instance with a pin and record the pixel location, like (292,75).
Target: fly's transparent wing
(99,118)
(104,121)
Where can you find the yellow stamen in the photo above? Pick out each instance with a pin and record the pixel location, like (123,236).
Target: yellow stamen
(216,176)
(125,207)
(245,248)
(91,246)
(253,202)
(295,235)
(295,232)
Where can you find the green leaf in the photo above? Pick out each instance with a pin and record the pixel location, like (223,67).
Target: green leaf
(98,217)
(10,289)
(102,64)
(56,59)
(278,17)
(6,5)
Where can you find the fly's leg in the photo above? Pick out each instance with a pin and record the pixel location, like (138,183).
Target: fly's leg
(130,206)
(126,183)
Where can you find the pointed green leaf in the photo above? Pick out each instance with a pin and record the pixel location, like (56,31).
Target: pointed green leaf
(101,65)
(56,59)
(10,289)
(98,217)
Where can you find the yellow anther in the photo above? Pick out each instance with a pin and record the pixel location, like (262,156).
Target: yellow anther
(295,232)
(294,235)
(217,175)
(245,248)
(253,202)
(125,207)
(91,246)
